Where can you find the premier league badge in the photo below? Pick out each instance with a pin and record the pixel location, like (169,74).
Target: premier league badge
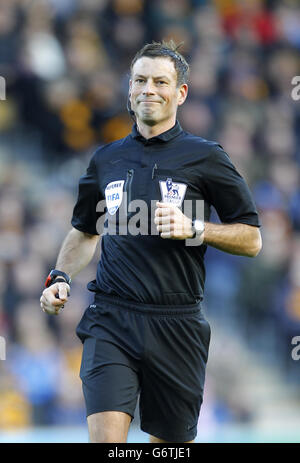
(114,195)
(172,193)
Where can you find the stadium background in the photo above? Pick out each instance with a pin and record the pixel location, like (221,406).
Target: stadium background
(66,63)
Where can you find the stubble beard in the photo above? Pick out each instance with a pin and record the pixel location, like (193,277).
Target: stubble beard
(147,117)
(151,118)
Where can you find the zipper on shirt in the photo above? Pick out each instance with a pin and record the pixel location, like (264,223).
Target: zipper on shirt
(153,170)
(127,186)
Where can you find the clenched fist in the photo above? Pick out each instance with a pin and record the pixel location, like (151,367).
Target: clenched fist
(171,222)
(53,298)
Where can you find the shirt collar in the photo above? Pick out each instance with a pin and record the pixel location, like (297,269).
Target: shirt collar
(162,137)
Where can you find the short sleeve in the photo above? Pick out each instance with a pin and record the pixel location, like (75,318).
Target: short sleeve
(85,215)
(227,191)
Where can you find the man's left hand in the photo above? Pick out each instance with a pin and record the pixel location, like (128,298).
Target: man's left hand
(172,223)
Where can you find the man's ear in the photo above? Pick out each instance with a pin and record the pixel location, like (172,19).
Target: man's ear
(182,94)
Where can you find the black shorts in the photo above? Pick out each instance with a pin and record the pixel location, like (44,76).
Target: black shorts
(159,352)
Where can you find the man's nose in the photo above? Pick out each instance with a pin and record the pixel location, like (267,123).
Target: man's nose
(148,88)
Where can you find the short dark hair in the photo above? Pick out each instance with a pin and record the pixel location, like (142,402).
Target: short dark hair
(165,50)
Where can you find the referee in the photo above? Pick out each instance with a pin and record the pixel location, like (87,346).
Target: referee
(145,333)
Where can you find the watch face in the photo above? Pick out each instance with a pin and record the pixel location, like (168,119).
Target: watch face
(199,226)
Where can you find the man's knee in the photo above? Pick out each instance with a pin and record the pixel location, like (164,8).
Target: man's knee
(110,426)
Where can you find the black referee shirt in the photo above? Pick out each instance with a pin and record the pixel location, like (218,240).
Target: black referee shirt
(143,267)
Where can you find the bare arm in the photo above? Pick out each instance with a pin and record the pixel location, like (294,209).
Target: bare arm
(76,252)
(236,238)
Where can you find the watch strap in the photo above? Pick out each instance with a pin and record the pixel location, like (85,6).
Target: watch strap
(56,276)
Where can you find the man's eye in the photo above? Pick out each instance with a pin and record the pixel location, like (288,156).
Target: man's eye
(161,82)
(139,80)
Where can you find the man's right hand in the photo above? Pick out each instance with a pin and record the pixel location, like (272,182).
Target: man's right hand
(54,298)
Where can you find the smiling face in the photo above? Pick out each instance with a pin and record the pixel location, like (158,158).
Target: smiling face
(154,95)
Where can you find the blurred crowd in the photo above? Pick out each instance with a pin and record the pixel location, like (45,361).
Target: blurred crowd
(66,68)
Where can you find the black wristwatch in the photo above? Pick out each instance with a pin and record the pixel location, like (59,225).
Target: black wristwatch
(53,277)
(198,228)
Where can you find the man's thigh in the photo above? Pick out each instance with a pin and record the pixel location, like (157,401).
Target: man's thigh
(108,427)
(111,387)
(109,373)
